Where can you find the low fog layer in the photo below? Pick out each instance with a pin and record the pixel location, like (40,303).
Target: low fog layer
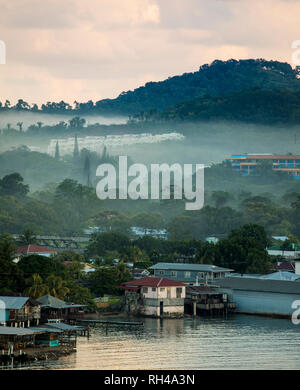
(113,143)
(29,118)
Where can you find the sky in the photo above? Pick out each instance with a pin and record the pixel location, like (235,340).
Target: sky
(94,49)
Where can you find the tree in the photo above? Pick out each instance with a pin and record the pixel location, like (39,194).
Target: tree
(27,237)
(286,246)
(123,274)
(77,122)
(13,185)
(57,156)
(20,125)
(37,287)
(86,171)
(251,231)
(104,281)
(57,286)
(80,295)
(220,198)
(44,266)
(76,149)
(11,277)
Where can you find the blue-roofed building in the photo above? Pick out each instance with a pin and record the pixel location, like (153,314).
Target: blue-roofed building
(19,311)
(190,273)
(246,164)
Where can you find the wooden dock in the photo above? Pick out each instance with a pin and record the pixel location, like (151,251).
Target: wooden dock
(107,323)
(121,323)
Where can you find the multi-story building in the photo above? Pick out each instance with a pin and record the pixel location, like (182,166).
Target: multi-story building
(190,273)
(154,297)
(246,164)
(19,311)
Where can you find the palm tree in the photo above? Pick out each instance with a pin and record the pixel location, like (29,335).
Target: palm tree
(27,237)
(123,274)
(38,288)
(20,125)
(57,286)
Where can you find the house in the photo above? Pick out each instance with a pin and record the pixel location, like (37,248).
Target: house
(246,164)
(287,266)
(54,308)
(260,295)
(28,250)
(139,273)
(207,300)
(155,297)
(189,273)
(276,250)
(142,232)
(19,311)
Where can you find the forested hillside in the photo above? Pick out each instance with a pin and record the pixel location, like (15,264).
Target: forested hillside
(260,106)
(217,78)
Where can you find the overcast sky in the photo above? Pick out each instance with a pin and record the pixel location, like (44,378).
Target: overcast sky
(95,49)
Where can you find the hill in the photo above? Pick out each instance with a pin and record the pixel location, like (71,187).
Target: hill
(259,106)
(218,78)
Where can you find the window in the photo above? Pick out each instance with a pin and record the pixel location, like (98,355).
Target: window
(173,273)
(187,274)
(162,289)
(153,289)
(178,292)
(145,289)
(161,272)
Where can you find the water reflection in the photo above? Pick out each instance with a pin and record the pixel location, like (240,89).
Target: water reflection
(240,342)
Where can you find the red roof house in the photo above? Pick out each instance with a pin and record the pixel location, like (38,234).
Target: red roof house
(155,297)
(31,249)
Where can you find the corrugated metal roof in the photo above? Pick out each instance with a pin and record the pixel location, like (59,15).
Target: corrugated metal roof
(263,285)
(151,281)
(14,303)
(189,267)
(64,327)
(12,331)
(28,249)
(55,303)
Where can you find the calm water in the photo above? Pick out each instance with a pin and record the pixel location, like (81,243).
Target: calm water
(240,342)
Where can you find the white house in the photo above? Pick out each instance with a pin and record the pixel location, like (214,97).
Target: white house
(155,297)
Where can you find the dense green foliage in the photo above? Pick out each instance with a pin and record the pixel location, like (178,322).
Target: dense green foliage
(257,105)
(217,78)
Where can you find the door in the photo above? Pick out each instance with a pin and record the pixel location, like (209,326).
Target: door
(161,308)
(169,293)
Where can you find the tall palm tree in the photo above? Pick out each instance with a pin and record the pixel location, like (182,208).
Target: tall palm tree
(57,286)
(38,288)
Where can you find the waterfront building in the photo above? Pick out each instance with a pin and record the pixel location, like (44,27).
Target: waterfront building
(155,297)
(190,273)
(19,311)
(245,164)
(207,300)
(257,295)
(54,308)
